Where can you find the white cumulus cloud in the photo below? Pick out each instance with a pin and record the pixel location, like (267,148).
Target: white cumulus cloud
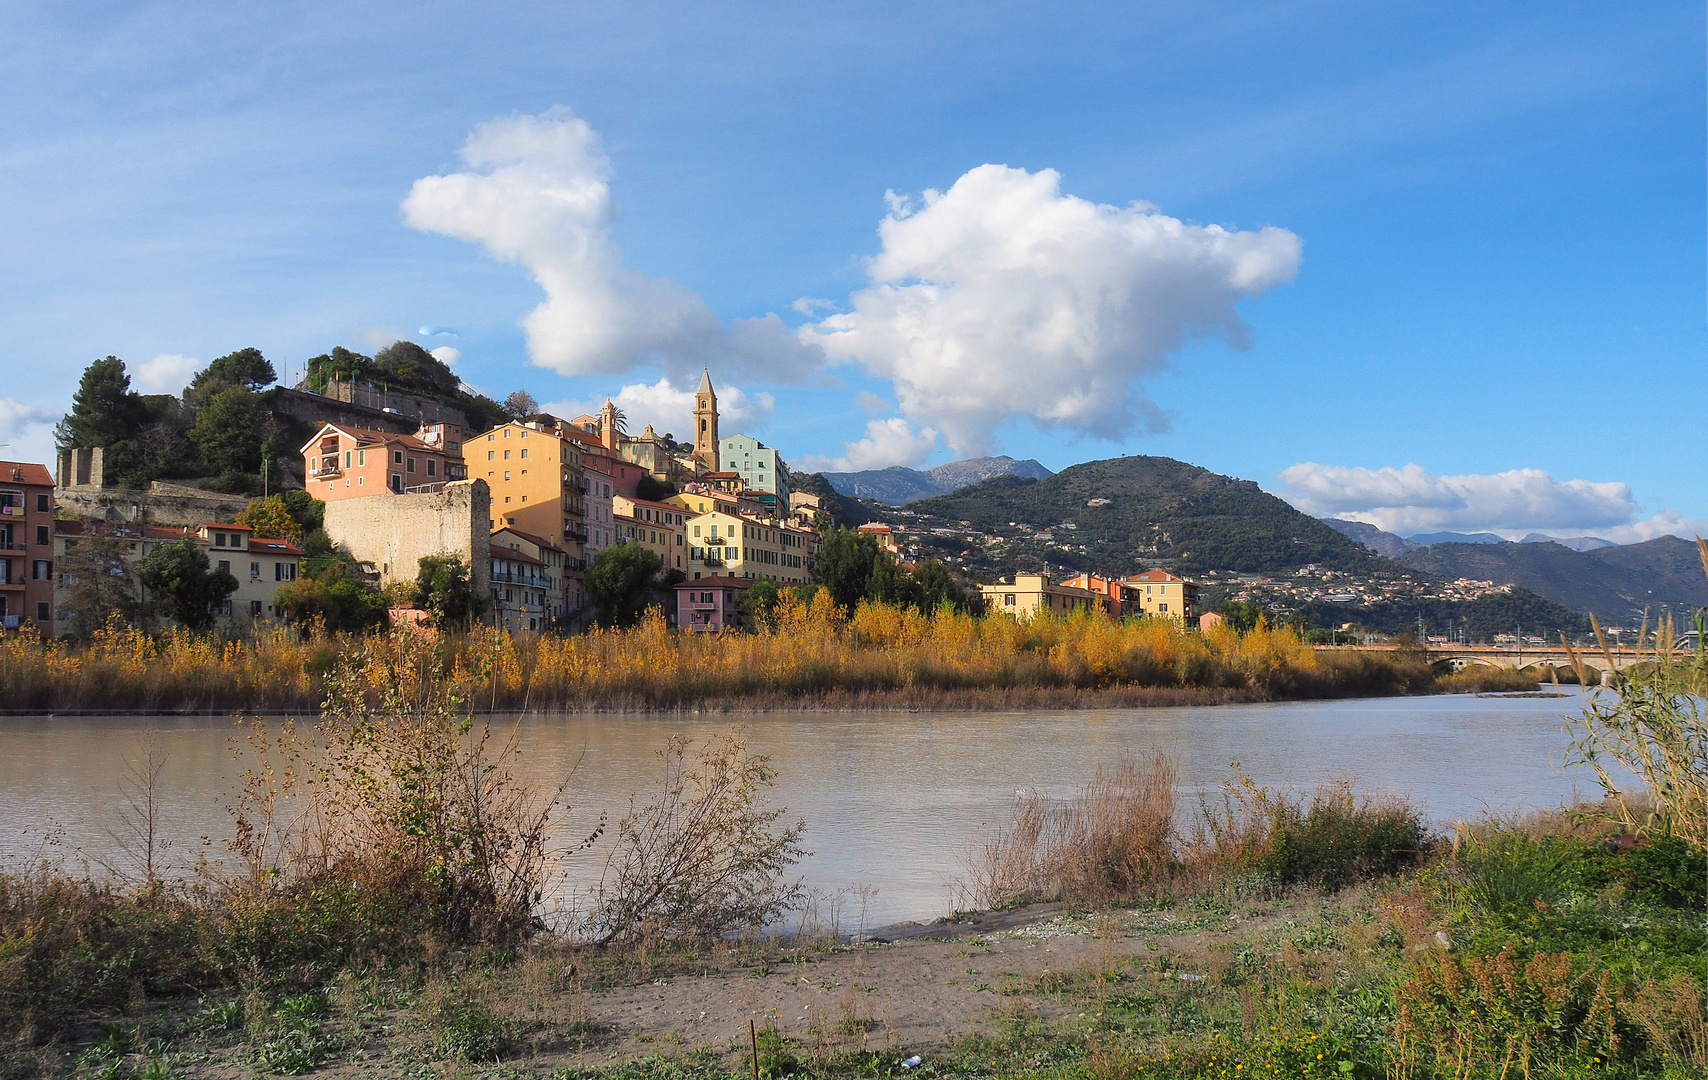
(1003,297)
(446,355)
(887,442)
(167,373)
(670,410)
(537,193)
(1411,500)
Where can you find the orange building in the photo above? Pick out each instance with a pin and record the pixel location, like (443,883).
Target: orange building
(538,480)
(26,547)
(343,462)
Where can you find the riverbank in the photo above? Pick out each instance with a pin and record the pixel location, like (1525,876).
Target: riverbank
(1530,948)
(810,658)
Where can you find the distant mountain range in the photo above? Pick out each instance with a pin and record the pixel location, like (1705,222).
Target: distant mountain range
(899,485)
(1617,583)
(1393,546)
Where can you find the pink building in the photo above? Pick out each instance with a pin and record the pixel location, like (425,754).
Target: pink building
(710,604)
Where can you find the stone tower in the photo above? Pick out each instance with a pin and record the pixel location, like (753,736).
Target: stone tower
(608,425)
(706,424)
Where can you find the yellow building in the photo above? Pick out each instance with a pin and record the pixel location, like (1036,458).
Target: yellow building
(1032,593)
(729,545)
(660,527)
(1159,592)
(536,482)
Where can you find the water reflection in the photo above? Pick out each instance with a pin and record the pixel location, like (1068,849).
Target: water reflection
(892,801)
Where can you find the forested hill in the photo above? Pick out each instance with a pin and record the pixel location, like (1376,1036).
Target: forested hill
(1129,513)
(1617,583)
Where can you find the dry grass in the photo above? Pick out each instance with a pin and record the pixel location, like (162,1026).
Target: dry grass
(814,654)
(1119,839)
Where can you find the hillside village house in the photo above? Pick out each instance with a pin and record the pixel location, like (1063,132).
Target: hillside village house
(1118,600)
(344,462)
(710,604)
(1159,592)
(538,571)
(26,546)
(727,545)
(260,566)
(538,484)
(1029,594)
(657,526)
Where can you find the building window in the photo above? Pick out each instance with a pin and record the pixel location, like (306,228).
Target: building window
(397,457)
(44,611)
(432,466)
(1008,600)
(361,459)
(524,451)
(411,466)
(42,537)
(219,539)
(489,455)
(43,503)
(42,570)
(225,565)
(254,571)
(284,571)
(255,609)
(346,459)
(507,474)
(1162,607)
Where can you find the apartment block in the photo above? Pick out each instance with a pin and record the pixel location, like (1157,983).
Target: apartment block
(1030,594)
(26,546)
(1161,593)
(758,465)
(728,545)
(658,526)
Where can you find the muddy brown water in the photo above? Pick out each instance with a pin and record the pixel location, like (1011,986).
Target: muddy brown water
(894,802)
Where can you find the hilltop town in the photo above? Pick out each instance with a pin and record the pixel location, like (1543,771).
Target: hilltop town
(379,489)
(405,479)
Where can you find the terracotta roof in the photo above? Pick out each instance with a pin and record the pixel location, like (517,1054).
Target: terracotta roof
(121,532)
(24,472)
(1153,575)
(672,507)
(538,541)
(515,555)
(373,435)
(226,525)
(276,547)
(717,583)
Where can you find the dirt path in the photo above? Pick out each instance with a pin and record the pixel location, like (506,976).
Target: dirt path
(918,989)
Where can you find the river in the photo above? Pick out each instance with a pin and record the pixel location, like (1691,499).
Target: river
(893,801)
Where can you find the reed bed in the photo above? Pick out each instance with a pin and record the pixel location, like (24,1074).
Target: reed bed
(809,655)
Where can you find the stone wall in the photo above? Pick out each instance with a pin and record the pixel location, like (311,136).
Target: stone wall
(392,533)
(317,409)
(176,505)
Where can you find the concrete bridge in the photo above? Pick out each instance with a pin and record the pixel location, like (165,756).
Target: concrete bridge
(1515,657)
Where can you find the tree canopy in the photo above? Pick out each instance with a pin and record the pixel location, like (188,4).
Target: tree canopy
(854,568)
(445,590)
(622,582)
(182,585)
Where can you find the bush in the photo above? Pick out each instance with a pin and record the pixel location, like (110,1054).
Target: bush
(1333,842)
(471,1031)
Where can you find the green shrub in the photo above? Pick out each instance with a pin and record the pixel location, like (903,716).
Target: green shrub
(471,1031)
(1330,843)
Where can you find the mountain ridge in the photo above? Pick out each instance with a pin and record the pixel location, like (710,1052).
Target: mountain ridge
(899,485)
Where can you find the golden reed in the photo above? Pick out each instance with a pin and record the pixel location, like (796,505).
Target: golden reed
(810,655)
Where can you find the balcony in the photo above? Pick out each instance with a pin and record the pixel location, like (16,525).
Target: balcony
(327,469)
(11,511)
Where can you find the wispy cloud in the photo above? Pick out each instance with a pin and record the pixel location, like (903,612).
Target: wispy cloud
(167,373)
(887,442)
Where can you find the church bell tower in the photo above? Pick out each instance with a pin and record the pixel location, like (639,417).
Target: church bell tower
(706,444)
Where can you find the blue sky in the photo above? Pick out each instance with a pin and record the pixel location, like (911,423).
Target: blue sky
(1486,257)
